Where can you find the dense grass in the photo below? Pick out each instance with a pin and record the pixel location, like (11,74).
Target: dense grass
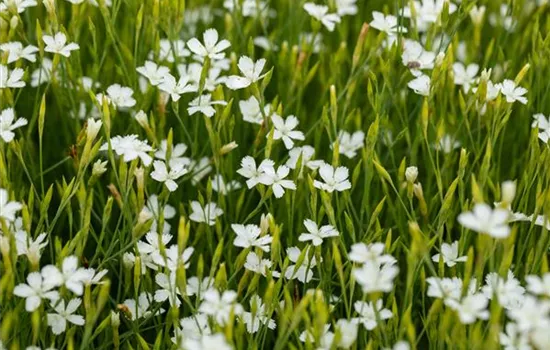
(79,210)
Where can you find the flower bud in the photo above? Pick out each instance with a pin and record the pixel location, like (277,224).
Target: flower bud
(508,191)
(99,168)
(93,129)
(141,118)
(228,147)
(411,173)
(144,216)
(115,319)
(264,222)
(439,58)
(50,6)
(477,14)
(14,21)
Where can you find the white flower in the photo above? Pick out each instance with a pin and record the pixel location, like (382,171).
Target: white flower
(368,316)
(140,309)
(543,124)
(200,168)
(176,88)
(153,72)
(427,12)
(168,289)
(448,289)
(39,286)
(171,50)
(171,259)
(465,76)
(130,147)
(306,153)
(194,72)
(152,245)
(325,340)
(39,76)
(447,144)
(284,129)
(221,186)
(471,307)
(249,236)
(539,285)
(420,85)
(8,124)
(531,314)
(316,234)
(8,209)
(257,265)
(375,277)
(387,24)
(176,157)
(251,172)
(204,104)
(508,292)
(58,321)
(512,92)
(372,253)
(416,58)
(208,214)
(58,44)
(250,109)
(348,332)
(514,339)
(251,70)
(303,272)
(31,248)
(207,342)
(19,5)
(349,144)
(161,174)
(334,179)
(346,7)
(192,327)
(197,287)
(73,277)
(11,79)
(320,13)
(254,319)
(220,306)
(211,48)
(16,51)
(483,219)
(119,96)
(276,179)
(449,252)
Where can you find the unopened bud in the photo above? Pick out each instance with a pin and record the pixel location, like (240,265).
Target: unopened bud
(93,129)
(439,58)
(508,189)
(477,14)
(228,147)
(141,118)
(411,173)
(264,222)
(115,319)
(99,168)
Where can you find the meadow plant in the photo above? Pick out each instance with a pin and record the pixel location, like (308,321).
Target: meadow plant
(274,174)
